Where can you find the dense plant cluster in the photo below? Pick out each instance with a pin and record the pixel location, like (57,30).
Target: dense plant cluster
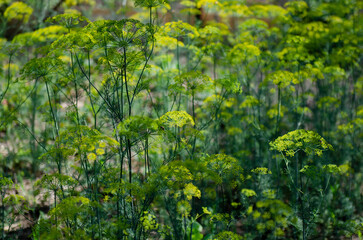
(166,119)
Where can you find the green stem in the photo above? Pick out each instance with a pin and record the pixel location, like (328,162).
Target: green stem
(8,80)
(52,110)
(193,112)
(2,217)
(278,111)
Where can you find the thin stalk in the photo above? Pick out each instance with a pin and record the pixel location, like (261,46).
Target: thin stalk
(178,66)
(147,58)
(121,156)
(147,164)
(296,181)
(193,113)
(126,85)
(128,142)
(89,91)
(303,211)
(177,55)
(52,110)
(214,66)
(90,82)
(33,147)
(2,218)
(278,110)
(33,136)
(76,91)
(96,199)
(128,146)
(191,231)
(8,80)
(55,206)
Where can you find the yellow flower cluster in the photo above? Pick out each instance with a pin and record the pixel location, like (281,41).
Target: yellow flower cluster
(18,11)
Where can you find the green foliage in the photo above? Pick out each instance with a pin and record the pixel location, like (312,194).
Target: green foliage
(18,11)
(176,119)
(181,119)
(137,126)
(149,3)
(309,142)
(5,183)
(227,235)
(190,83)
(40,67)
(272,215)
(248,192)
(69,20)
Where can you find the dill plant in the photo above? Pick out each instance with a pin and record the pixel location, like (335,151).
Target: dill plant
(183,124)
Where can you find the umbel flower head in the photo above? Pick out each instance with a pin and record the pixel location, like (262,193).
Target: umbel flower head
(309,142)
(149,3)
